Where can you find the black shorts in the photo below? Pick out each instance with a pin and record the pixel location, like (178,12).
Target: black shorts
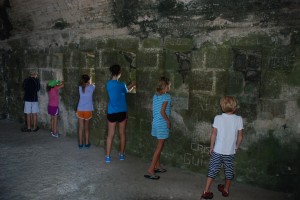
(117,117)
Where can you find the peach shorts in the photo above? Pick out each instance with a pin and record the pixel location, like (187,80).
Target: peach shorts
(86,115)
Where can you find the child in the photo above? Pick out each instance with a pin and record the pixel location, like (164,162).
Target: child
(53,110)
(161,108)
(84,110)
(31,86)
(117,110)
(225,140)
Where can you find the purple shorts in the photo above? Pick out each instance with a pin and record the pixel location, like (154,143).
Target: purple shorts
(53,110)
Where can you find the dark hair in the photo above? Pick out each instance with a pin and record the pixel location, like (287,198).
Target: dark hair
(84,80)
(115,69)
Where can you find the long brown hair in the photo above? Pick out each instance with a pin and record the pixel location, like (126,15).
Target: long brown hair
(84,81)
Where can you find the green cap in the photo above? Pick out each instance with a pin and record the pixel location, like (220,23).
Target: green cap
(53,83)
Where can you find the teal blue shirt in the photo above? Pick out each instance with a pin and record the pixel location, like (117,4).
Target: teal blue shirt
(117,96)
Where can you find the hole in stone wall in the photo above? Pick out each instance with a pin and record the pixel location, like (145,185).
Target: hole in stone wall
(248,62)
(129,74)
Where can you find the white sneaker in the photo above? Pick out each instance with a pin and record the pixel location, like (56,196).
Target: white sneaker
(54,135)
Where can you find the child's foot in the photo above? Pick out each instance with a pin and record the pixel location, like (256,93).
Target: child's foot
(80,146)
(54,135)
(24,129)
(122,157)
(87,145)
(207,195)
(35,129)
(160,170)
(152,176)
(107,159)
(221,189)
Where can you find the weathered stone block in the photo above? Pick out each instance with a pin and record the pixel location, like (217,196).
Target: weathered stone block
(269,109)
(198,61)
(202,81)
(152,43)
(203,107)
(179,44)
(147,59)
(217,57)
(124,44)
(235,83)
(221,82)
(87,44)
(271,83)
(171,63)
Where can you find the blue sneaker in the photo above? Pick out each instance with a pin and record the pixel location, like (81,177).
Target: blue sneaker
(107,159)
(80,146)
(122,157)
(87,145)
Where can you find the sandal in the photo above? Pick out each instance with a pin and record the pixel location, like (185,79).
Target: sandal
(221,189)
(160,170)
(24,129)
(207,195)
(153,176)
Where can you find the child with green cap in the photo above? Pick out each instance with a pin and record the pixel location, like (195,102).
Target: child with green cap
(52,88)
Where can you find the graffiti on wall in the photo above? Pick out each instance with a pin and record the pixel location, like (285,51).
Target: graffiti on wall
(198,155)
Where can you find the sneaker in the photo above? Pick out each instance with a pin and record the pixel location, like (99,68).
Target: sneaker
(207,195)
(36,129)
(80,146)
(107,159)
(122,157)
(54,135)
(87,145)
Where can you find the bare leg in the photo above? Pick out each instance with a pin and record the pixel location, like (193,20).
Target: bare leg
(122,128)
(55,124)
(28,120)
(87,131)
(34,116)
(227,185)
(208,184)
(80,129)
(110,136)
(156,156)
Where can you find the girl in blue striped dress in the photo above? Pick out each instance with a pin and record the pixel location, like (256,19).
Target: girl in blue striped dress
(161,108)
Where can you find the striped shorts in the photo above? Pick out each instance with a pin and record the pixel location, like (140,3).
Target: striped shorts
(216,162)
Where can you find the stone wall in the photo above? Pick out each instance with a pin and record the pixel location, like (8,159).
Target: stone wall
(207,50)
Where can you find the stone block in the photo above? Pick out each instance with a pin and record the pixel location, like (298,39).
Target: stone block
(234,85)
(221,83)
(217,57)
(152,43)
(279,58)
(251,40)
(147,59)
(197,59)
(201,81)
(179,44)
(56,60)
(203,107)
(269,109)
(123,44)
(271,83)
(87,44)
(171,62)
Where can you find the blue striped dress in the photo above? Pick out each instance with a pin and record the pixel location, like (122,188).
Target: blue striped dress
(160,128)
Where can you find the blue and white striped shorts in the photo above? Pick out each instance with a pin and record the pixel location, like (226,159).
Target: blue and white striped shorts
(216,162)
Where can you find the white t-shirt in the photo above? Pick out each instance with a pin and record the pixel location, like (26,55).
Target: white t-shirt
(227,126)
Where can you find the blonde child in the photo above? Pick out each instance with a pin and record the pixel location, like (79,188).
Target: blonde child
(161,108)
(53,110)
(225,140)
